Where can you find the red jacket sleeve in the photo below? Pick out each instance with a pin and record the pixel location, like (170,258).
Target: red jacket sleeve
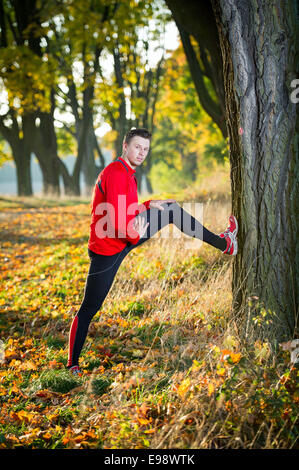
(117,206)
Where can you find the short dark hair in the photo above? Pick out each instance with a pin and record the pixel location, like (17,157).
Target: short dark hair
(141,132)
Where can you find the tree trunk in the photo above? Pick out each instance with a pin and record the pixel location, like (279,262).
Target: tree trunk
(22,160)
(122,120)
(21,149)
(88,144)
(45,149)
(258,42)
(66,177)
(99,152)
(89,165)
(196,18)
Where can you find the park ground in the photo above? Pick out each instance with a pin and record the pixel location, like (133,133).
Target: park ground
(166,364)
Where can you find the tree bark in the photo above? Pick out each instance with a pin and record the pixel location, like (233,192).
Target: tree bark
(122,120)
(88,161)
(259,51)
(89,165)
(45,149)
(66,178)
(21,149)
(24,183)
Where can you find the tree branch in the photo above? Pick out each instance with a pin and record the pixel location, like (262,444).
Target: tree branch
(208,104)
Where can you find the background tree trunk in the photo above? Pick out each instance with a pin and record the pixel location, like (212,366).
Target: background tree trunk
(19,138)
(258,42)
(22,159)
(121,121)
(197,19)
(45,149)
(89,166)
(88,161)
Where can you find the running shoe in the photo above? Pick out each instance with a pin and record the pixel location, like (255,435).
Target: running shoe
(230,234)
(75,370)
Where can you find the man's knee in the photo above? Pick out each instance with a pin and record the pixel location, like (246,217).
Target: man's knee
(88,311)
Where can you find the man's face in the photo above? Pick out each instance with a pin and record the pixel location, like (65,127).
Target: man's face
(136,150)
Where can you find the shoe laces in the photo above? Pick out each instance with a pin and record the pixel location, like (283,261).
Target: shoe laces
(228,230)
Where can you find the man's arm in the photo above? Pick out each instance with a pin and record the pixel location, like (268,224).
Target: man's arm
(116,194)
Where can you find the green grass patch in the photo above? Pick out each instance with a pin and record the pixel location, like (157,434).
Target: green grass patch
(100,385)
(61,381)
(37,202)
(55,342)
(134,309)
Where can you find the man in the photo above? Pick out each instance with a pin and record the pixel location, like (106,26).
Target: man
(119,224)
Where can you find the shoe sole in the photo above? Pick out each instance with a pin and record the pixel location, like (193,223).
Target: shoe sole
(234,234)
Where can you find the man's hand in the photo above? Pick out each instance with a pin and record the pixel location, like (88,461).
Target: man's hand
(140,226)
(157,203)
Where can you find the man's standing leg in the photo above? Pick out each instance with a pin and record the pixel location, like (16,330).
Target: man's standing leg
(99,280)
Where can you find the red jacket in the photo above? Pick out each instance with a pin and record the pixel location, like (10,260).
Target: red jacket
(114,204)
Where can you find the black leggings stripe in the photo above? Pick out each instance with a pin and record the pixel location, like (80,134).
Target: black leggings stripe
(102,269)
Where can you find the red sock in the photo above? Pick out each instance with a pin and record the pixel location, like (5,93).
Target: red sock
(72,336)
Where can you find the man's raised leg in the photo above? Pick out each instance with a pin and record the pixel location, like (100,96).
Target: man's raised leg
(189,225)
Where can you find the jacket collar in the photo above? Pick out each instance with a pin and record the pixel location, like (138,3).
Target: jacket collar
(130,170)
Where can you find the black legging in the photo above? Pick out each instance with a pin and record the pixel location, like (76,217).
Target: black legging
(103,268)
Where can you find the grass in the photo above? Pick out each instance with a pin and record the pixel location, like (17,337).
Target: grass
(165,363)
(57,381)
(35,202)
